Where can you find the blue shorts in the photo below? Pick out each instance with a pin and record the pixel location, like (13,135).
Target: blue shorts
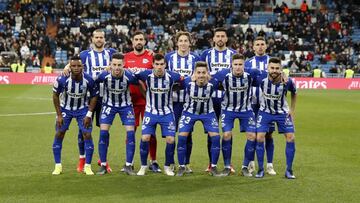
(126,113)
(166,122)
(283,121)
(79,115)
(187,122)
(256,108)
(247,121)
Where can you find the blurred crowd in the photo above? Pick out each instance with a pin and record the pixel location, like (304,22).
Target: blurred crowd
(325,35)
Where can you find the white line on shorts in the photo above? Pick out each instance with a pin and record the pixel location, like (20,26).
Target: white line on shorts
(26,114)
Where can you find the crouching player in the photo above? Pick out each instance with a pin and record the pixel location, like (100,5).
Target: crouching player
(159,110)
(76,90)
(199,107)
(274,108)
(117,100)
(236,104)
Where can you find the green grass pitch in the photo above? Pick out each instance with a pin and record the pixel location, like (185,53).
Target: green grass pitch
(327,161)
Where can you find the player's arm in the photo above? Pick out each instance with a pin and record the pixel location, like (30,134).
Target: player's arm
(292,88)
(59,117)
(94,91)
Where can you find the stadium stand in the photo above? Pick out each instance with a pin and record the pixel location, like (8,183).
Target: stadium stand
(327,36)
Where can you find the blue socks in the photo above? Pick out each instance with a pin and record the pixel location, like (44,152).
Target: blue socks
(226,150)
(215,149)
(260,154)
(290,154)
(89,150)
(130,146)
(182,149)
(81,143)
(189,145)
(169,154)
(57,146)
(103,145)
(269,146)
(209,146)
(249,152)
(144,151)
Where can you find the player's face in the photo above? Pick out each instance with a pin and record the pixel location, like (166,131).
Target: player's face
(220,39)
(201,75)
(238,67)
(274,70)
(138,42)
(117,66)
(76,67)
(183,43)
(98,39)
(159,67)
(259,47)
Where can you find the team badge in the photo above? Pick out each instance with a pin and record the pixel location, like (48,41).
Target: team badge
(145,61)
(103,116)
(214,123)
(130,115)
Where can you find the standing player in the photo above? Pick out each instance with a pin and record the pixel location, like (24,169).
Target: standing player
(274,108)
(75,91)
(138,60)
(116,100)
(199,106)
(183,62)
(159,110)
(260,62)
(96,59)
(217,58)
(237,104)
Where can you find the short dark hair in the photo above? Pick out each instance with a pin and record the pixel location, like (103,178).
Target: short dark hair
(118,56)
(220,29)
(238,56)
(261,38)
(98,30)
(138,32)
(76,57)
(201,64)
(158,57)
(275,60)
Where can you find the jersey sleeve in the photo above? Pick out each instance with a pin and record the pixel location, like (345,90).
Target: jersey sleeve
(259,78)
(132,78)
(203,55)
(291,86)
(83,56)
(221,75)
(176,76)
(58,86)
(215,82)
(93,88)
(142,75)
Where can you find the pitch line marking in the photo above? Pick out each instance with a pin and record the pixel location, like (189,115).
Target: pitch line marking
(27,114)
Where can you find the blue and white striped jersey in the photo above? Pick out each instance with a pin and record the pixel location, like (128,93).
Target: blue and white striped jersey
(259,63)
(217,60)
(94,62)
(273,96)
(159,91)
(238,90)
(74,94)
(116,89)
(198,99)
(182,65)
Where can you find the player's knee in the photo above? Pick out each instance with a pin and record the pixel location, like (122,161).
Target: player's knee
(87,136)
(251,136)
(145,138)
(170,139)
(268,135)
(104,127)
(184,134)
(290,137)
(60,135)
(260,137)
(227,136)
(129,127)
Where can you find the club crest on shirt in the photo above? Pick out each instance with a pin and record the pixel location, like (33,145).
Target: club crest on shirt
(145,61)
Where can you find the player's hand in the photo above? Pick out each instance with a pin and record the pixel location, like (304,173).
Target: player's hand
(87,122)
(66,71)
(284,78)
(292,115)
(59,121)
(108,69)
